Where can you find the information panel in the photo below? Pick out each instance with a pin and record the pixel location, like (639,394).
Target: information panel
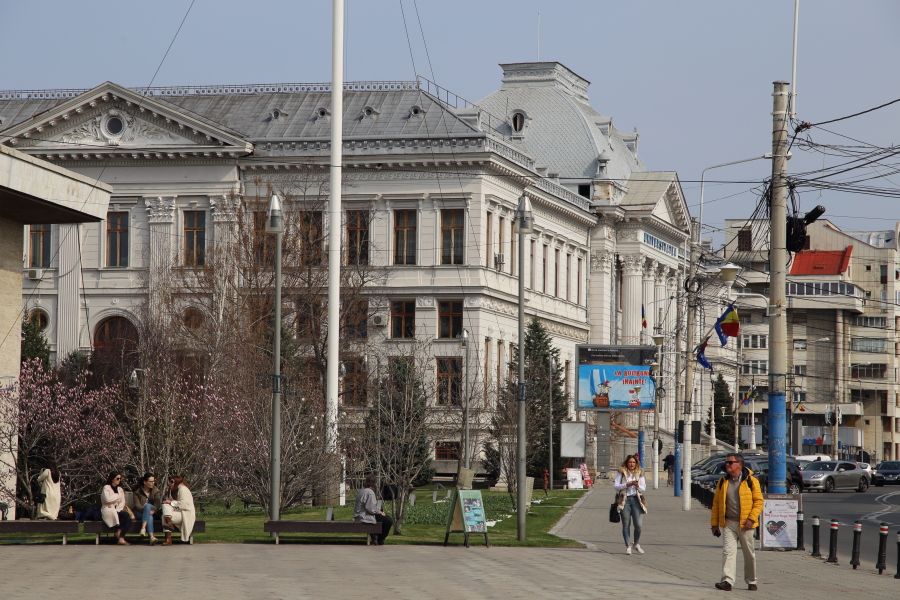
(616,378)
(778,523)
(467,516)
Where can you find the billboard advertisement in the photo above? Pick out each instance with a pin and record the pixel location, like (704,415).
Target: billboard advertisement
(616,378)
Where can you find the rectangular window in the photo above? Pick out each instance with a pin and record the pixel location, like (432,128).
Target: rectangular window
(263,241)
(745,240)
(446,451)
(358,237)
(117,239)
(568,276)
(487,368)
(868,371)
(452,230)
(501,367)
(531,253)
(876,345)
(584,190)
(800,344)
(404,237)
(513,240)
(578,286)
(501,258)
(39,247)
(311,240)
(799,397)
(754,340)
(403,319)
(450,318)
(401,371)
(310,318)
(556,272)
(489,240)
(568,379)
(544,269)
(449,381)
(357,319)
(755,367)
(355,382)
(194,238)
(800,370)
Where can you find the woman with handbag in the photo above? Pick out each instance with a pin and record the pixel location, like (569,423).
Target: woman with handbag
(630,486)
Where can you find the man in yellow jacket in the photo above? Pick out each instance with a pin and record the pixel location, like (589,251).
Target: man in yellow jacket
(736,508)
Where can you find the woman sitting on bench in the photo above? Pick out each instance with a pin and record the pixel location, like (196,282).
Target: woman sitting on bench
(146,501)
(366,510)
(178,511)
(113,510)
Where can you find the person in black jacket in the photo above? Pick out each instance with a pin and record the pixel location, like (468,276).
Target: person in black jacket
(669,468)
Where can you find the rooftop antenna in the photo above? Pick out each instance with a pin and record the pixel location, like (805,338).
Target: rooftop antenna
(793,96)
(539,37)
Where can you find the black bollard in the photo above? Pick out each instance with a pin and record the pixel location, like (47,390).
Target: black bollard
(881,565)
(857,532)
(897,576)
(815,548)
(832,543)
(800,544)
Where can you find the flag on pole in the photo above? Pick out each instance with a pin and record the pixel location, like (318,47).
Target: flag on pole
(749,396)
(643,318)
(728,325)
(701,355)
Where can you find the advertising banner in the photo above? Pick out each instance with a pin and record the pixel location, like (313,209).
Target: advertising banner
(572,442)
(616,378)
(778,524)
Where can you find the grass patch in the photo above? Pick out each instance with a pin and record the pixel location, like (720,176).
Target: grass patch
(425,525)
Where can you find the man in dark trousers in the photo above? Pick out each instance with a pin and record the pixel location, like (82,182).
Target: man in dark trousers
(669,467)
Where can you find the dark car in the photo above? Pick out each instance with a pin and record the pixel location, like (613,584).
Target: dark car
(794,477)
(886,472)
(710,478)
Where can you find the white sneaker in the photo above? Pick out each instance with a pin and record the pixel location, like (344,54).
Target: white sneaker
(628,550)
(638,549)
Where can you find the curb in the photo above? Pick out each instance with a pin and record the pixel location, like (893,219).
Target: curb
(565,521)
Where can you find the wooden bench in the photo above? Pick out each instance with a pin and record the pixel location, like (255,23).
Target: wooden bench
(41,526)
(99,527)
(281,527)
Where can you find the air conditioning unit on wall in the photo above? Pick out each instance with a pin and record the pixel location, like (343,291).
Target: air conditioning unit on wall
(379,320)
(35,274)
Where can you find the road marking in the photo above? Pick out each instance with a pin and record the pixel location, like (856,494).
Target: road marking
(877,516)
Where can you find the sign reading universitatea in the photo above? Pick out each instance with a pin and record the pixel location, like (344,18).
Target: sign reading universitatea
(616,378)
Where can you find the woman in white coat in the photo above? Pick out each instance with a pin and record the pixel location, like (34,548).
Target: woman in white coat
(113,509)
(178,511)
(48,481)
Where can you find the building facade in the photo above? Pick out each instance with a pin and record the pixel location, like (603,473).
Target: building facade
(439,181)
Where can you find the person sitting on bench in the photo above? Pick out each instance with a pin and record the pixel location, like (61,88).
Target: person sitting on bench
(115,513)
(178,511)
(145,500)
(366,510)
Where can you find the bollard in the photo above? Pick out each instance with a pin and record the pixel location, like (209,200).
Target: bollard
(857,532)
(881,565)
(815,548)
(800,544)
(897,576)
(832,543)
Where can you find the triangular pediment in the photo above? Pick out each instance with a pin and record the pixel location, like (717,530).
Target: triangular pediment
(112,120)
(657,195)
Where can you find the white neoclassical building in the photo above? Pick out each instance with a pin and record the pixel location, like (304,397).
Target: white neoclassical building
(441,178)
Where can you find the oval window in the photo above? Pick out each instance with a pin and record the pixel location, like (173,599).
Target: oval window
(518,122)
(114,125)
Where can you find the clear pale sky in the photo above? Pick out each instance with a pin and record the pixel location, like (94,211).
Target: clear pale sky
(695,77)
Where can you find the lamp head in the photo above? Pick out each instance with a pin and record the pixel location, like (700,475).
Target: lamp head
(524,216)
(275,217)
(729,272)
(659,340)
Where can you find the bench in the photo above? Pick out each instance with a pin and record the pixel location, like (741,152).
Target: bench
(281,527)
(42,526)
(99,527)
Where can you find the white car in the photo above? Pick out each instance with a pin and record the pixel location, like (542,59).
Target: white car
(865,467)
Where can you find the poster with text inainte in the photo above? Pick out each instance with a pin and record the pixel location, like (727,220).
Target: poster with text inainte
(615,387)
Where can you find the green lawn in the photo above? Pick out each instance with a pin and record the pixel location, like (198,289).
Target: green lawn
(426,523)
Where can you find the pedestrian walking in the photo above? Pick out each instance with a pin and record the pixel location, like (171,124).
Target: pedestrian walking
(736,508)
(669,468)
(630,485)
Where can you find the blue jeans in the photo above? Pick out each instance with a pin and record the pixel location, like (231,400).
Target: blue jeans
(632,513)
(147,517)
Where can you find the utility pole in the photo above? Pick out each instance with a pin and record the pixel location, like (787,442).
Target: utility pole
(692,287)
(658,341)
(525,220)
(275,225)
(777,300)
(679,394)
(550,415)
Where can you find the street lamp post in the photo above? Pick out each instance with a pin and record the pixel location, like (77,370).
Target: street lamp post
(550,365)
(658,341)
(525,220)
(275,224)
(467,454)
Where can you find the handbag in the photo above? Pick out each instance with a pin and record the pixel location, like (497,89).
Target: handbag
(614,516)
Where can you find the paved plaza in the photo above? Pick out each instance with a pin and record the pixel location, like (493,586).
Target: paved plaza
(682,561)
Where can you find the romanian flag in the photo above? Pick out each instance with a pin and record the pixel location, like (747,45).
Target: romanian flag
(728,325)
(643,318)
(701,355)
(749,396)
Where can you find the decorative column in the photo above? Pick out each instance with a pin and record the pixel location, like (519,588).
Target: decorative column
(600,296)
(631,299)
(69,302)
(162,252)
(648,301)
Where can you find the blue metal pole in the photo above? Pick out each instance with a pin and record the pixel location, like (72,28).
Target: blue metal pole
(678,469)
(776,443)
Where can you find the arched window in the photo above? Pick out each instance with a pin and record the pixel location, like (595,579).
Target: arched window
(40,318)
(193,318)
(115,334)
(518,122)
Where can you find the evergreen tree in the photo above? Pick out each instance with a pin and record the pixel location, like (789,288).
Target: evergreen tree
(34,344)
(723,411)
(545,397)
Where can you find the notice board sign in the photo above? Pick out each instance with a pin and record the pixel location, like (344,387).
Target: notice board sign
(574,479)
(778,523)
(467,516)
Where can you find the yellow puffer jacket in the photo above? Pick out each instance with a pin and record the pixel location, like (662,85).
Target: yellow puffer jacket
(750,495)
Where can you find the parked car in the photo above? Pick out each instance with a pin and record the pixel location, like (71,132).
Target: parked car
(887,472)
(865,467)
(830,475)
(794,477)
(709,479)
